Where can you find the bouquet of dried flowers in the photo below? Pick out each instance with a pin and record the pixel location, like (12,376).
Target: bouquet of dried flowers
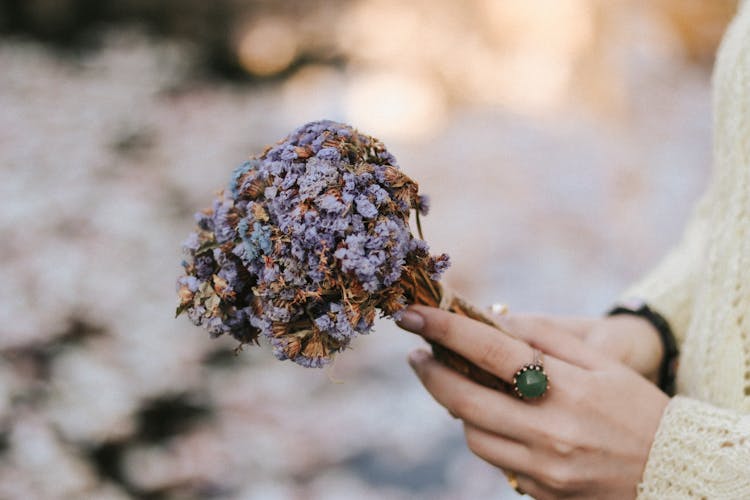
(308,241)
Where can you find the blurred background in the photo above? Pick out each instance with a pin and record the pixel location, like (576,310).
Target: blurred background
(563,145)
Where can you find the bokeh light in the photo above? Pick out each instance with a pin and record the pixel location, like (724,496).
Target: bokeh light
(267,47)
(399,105)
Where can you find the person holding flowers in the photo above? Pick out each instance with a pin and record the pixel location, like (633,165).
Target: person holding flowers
(608,412)
(312,238)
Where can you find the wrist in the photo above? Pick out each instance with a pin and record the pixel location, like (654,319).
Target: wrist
(669,352)
(645,350)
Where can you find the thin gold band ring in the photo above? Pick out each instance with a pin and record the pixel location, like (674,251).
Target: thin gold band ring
(513,482)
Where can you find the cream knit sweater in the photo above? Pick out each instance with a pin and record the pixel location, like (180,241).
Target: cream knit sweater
(702,446)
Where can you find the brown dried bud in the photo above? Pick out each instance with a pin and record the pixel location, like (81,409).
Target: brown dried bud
(303,153)
(369,314)
(306,205)
(279,329)
(357,293)
(292,347)
(256,189)
(395,178)
(220,285)
(355,314)
(184,299)
(259,213)
(390,302)
(314,348)
(408,194)
(185,295)
(256,307)
(364,168)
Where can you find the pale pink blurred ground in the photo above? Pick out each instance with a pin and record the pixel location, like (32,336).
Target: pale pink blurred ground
(554,210)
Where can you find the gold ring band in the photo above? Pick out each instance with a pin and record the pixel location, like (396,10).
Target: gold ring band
(513,482)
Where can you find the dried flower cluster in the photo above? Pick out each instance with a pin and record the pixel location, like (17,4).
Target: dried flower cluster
(308,241)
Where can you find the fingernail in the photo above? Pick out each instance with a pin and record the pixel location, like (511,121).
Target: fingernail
(412,321)
(416,357)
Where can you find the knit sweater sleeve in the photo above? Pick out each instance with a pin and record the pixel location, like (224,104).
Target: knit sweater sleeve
(700,451)
(670,287)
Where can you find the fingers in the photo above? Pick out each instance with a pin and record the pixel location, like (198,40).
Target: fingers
(483,345)
(559,337)
(509,456)
(498,450)
(476,405)
(578,326)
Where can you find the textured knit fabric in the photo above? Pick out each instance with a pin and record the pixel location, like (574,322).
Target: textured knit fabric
(702,446)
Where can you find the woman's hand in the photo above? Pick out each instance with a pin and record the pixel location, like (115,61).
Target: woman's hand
(628,339)
(589,437)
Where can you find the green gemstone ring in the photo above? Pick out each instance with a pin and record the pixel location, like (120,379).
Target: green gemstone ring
(531,381)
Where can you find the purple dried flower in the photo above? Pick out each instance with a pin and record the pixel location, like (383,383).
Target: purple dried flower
(308,241)
(191,243)
(365,207)
(423,205)
(438,266)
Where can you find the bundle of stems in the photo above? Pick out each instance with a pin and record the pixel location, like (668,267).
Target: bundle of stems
(420,289)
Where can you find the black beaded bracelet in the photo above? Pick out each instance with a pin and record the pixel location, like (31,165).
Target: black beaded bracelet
(668,367)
